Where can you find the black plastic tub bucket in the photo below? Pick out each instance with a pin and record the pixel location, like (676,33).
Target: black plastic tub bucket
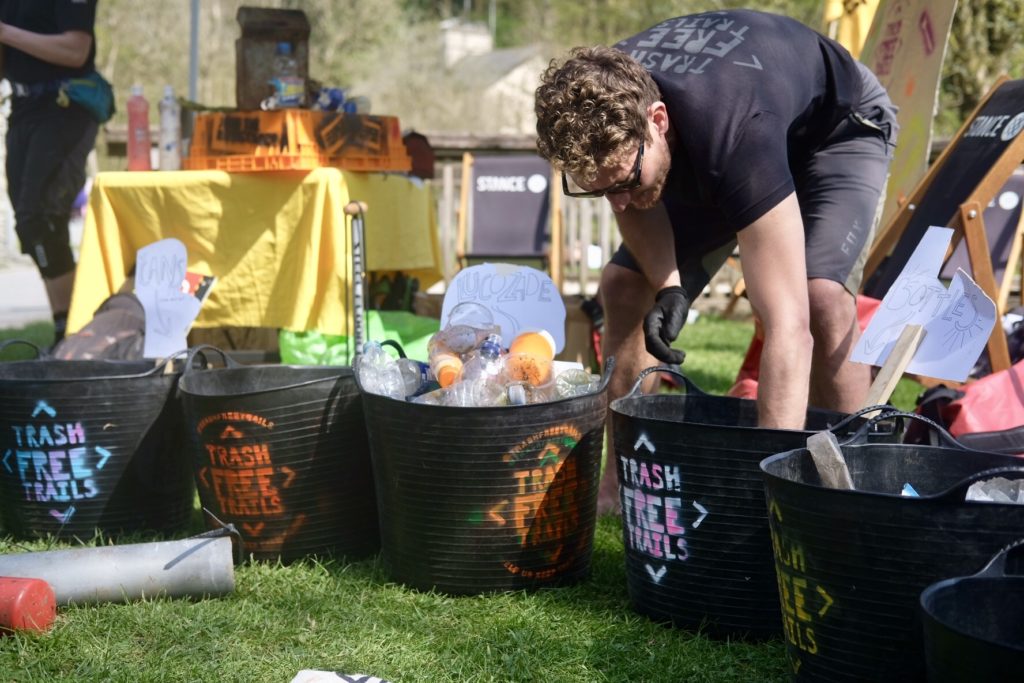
(280,451)
(91,446)
(852,563)
(477,500)
(695,526)
(974,625)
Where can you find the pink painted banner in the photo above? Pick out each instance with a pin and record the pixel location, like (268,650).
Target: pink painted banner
(905,49)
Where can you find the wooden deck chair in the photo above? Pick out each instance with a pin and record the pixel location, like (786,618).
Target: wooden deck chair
(966,177)
(509,212)
(1004,230)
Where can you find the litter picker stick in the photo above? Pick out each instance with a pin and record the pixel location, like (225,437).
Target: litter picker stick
(899,358)
(357,210)
(829,461)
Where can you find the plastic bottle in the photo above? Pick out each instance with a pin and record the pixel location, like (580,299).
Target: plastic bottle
(485,362)
(289,87)
(415,376)
(139,142)
(530,356)
(474,393)
(575,382)
(378,372)
(170,131)
(446,367)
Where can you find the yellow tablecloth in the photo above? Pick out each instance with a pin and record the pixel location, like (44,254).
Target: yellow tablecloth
(278,243)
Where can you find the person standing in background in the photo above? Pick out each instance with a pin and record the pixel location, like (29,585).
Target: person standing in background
(46,42)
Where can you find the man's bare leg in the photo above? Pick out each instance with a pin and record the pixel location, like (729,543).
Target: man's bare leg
(626,298)
(836,383)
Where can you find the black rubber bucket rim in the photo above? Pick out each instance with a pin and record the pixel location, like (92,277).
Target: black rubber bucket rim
(332,372)
(159,365)
(609,366)
(886,411)
(994,570)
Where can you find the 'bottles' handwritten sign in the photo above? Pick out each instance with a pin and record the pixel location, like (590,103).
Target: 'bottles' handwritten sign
(957,321)
(159,273)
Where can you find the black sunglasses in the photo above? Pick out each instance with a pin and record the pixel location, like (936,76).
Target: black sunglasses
(631,183)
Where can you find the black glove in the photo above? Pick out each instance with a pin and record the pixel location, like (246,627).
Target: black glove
(664,323)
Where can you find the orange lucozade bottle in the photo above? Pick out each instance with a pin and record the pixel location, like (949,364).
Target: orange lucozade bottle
(139,142)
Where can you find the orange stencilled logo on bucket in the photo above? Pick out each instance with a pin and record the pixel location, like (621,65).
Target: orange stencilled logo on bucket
(238,472)
(543,509)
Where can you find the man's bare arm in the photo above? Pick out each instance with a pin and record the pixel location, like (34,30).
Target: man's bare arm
(70,48)
(775,271)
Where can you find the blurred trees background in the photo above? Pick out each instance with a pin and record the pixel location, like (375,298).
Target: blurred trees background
(389,49)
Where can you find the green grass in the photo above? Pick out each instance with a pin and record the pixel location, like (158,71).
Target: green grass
(349,616)
(39,334)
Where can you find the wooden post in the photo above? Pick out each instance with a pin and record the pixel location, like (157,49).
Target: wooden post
(981,266)
(894,366)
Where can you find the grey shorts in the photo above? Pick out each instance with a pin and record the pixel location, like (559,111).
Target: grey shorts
(841,191)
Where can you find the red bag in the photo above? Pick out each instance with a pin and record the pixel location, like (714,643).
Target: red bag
(993,403)
(745,385)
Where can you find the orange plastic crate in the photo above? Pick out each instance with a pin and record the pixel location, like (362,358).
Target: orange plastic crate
(296,139)
(241,163)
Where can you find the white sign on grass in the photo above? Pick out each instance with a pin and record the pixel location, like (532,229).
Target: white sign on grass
(519,297)
(957,321)
(159,272)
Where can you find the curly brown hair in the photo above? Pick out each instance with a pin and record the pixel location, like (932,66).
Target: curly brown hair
(590,107)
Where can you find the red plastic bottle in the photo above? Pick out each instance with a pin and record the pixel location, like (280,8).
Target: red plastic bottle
(139,143)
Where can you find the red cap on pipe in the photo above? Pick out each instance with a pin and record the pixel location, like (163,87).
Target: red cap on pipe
(26,604)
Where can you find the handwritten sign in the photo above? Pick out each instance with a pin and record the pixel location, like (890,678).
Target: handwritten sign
(519,297)
(170,311)
(957,321)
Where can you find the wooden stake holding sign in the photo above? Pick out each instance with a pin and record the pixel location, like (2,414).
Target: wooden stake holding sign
(895,365)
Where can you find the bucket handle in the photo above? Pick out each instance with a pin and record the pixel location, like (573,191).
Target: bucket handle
(885,412)
(199,350)
(24,342)
(609,368)
(996,567)
(945,437)
(957,493)
(691,388)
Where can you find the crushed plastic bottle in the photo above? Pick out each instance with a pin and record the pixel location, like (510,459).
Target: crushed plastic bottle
(378,372)
(575,382)
(415,376)
(997,490)
(471,314)
(474,393)
(485,361)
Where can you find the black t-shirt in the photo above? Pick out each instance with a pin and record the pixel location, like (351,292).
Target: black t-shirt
(47,17)
(750,95)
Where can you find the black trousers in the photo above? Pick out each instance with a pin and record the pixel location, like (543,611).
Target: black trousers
(47,146)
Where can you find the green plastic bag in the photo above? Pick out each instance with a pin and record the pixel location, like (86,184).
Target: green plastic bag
(411,331)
